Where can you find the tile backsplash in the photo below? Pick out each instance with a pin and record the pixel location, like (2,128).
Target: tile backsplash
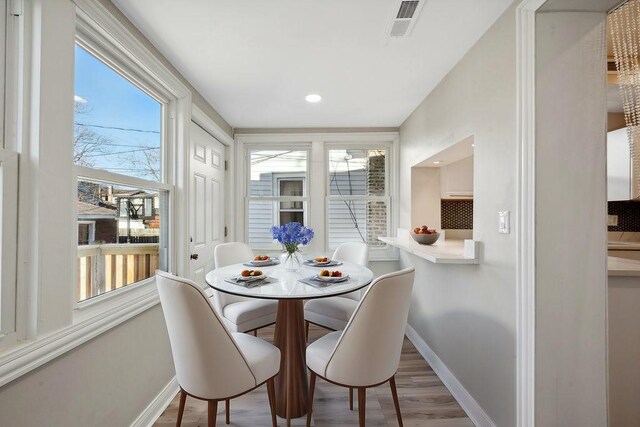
(628,213)
(456,214)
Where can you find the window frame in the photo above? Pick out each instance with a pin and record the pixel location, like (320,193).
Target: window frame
(278,177)
(276,199)
(377,252)
(101,45)
(318,145)
(92,44)
(48,324)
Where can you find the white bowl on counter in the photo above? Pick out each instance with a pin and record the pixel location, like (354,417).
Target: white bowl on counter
(426,239)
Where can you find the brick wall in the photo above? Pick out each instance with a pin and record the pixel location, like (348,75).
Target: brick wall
(376,211)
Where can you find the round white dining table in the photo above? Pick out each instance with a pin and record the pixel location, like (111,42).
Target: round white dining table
(289,337)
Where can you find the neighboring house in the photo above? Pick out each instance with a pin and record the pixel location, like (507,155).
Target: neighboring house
(96,224)
(108,215)
(137,212)
(138,215)
(347,220)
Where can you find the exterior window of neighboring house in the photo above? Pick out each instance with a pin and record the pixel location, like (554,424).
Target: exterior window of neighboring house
(122,194)
(358,199)
(290,211)
(277,192)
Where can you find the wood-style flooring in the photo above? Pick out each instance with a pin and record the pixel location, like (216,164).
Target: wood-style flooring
(424,400)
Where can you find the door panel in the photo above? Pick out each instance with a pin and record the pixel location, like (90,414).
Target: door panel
(217,213)
(200,210)
(206,200)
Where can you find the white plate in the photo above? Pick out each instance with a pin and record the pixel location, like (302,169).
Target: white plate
(344,278)
(259,263)
(241,278)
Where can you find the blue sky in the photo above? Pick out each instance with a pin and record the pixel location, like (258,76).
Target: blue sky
(110,101)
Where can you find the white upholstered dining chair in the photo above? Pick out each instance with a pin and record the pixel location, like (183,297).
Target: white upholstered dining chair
(211,363)
(367,352)
(334,312)
(241,314)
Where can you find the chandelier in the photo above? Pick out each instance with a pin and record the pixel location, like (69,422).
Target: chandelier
(624,24)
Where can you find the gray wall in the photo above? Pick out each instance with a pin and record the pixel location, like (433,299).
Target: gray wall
(571,271)
(106,382)
(466,314)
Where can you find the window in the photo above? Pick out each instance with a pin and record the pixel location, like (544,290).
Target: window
(358,199)
(122,197)
(339,184)
(291,211)
(277,192)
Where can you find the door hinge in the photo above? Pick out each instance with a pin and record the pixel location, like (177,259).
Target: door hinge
(225,231)
(226,165)
(16,7)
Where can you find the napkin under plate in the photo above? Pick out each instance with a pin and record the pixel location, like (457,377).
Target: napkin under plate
(311,263)
(273,262)
(250,283)
(316,283)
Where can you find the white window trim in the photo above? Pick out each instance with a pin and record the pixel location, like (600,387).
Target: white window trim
(36,349)
(93,40)
(288,176)
(8,245)
(246,183)
(317,143)
(386,252)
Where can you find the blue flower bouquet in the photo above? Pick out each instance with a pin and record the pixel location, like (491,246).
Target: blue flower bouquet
(290,236)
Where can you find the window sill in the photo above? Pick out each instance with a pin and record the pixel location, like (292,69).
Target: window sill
(93,321)
(112,300)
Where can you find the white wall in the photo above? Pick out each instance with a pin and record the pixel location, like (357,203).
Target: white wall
(466,314)
(425,197)
(571,272)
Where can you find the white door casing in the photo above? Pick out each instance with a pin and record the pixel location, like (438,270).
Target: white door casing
(206,200)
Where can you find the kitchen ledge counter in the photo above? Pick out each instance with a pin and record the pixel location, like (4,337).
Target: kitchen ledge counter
(623,266)
(442,252)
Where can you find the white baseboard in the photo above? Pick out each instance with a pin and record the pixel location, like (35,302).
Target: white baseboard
(157,405)
(475,412)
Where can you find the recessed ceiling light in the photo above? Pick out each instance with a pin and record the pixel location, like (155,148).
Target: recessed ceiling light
(313,98)
(437,162)
(473,145)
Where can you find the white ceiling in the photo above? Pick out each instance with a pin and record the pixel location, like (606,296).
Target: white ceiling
(255,60)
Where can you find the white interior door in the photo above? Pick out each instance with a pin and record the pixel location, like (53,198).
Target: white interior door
(206,200)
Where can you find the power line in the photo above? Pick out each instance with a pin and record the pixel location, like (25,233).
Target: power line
(119,152)
(116,145)
(116,128)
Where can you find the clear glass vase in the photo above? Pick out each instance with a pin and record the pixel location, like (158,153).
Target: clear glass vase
(291,261)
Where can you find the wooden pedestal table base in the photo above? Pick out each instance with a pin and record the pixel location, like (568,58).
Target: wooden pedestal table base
(291,382)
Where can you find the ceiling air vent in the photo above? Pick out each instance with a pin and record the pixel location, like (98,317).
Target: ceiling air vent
(405,16)
(407,9)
